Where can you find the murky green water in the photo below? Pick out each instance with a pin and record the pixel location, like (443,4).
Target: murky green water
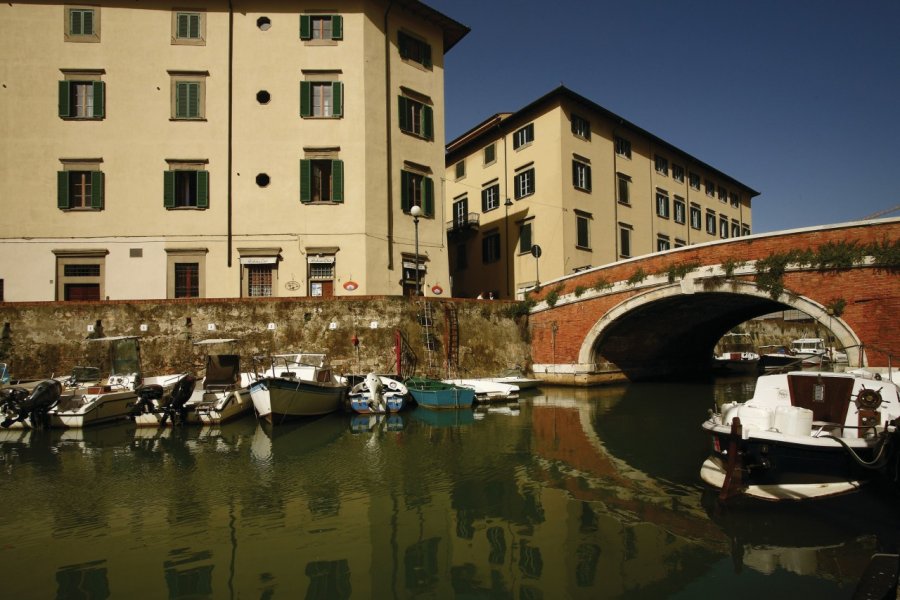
(575,494)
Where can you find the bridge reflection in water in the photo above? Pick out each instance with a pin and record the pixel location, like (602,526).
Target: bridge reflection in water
(577,493)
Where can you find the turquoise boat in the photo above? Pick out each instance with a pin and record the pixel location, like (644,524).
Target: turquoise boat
(435,394)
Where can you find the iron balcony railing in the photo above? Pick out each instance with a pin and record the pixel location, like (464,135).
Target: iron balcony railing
(463,222)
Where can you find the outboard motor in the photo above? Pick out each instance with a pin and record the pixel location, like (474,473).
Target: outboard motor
(147,395)
(181,393)
(376,391)
(18,404)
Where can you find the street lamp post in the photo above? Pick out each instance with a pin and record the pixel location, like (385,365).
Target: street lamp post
(415,211)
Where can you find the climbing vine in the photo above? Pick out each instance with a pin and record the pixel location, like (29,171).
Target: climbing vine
(677,271)
(552,296)
(579,290)
(836,306)
(637,277)
(602,284)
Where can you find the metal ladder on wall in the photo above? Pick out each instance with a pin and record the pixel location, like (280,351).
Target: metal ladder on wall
(426,321)
(451,335)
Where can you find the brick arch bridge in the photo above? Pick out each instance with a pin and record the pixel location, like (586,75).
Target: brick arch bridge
(650,319)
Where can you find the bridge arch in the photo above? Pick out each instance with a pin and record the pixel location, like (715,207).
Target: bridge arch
(680,341)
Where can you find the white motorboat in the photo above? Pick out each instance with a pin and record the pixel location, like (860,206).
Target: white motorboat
(296,385)
(803,434)
(378,394)
(515,377)
(487,391)
(224,392)
(811,351)
(737,356)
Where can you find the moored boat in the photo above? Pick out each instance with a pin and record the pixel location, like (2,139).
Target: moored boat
(515,376)
(737,356)
(777,358)
(435,394)
(378,394)
(296,385)
(804,434)
(487,391)
(811,351)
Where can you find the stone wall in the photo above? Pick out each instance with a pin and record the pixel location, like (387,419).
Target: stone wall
(44,338)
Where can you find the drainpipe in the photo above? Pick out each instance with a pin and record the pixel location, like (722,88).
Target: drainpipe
(506,203)
(615,178)
(230,116)
(390,158)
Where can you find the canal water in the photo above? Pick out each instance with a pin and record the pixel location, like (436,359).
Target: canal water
(573,493)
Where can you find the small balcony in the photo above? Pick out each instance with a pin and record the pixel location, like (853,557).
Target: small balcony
(463,223)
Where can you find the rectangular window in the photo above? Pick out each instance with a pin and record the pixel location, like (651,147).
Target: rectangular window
(745,230)
(321,99)
(188,95)
(679,209)
(662,243)
(259,280)
(623,147)
(694,181)
(187,280)
(490,154)
(321,27)
(662,204)
(723,194)
(678,173)
(490,197)
(679,243)
(321,180)
(695,217)
(583,231)
(581,175)
(581,127)
(525,238)
(80,276)
(416,118)
(461,169)
(82,24)
(490,247)
(81,99)
(414,49)
(523,136)
(735,199)
(735,229)
(188,28)
(183,188)
(723,227)
(624,241)
(524,183)
(79,189)
(416,190)
(662,165)
(710,188)
(624,188)
(461,212)
(710,222)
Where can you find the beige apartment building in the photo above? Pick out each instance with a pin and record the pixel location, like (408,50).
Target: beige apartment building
(222,149)
(581,187)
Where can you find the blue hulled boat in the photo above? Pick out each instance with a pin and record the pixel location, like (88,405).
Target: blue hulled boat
(435,394)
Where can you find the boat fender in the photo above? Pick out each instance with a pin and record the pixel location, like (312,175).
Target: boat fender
(868,399)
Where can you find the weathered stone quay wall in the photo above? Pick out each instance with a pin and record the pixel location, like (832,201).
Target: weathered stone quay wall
(43,338)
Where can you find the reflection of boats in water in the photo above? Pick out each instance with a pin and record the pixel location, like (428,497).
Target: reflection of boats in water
(443,418)
(803,435)
(510,409)
(298,436)
(363,423)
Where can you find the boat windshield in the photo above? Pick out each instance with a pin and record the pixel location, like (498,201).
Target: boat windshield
(125,356)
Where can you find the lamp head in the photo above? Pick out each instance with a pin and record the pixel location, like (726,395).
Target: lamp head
(415,210)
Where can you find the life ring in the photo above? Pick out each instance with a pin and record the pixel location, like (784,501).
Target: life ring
(868,399)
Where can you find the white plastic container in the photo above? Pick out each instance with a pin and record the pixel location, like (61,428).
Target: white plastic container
(794,420)
(752,417)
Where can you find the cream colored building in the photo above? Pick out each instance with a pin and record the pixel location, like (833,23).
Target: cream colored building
(212,149)
(582,184)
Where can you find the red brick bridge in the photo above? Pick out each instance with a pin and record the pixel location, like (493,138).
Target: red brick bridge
(661,315)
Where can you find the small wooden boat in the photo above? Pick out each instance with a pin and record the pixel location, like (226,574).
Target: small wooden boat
(435,394)
(488,391)
(296,385)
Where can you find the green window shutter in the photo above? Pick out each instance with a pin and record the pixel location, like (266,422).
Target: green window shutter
(405,200)
(305,27)
(305,99)
(337,27)
(99,99)
(428,192)
(305,181)
(402,45)
(182,100)
(193,100)
(75,22)
(202,189)
(194,29)
(588,178)
(62,190)
(183,25)
(428,122)
(337,98)
(337,181)
(87,22)
(403,105)
(97,189)
(64,99)
(427,55)
(169,189)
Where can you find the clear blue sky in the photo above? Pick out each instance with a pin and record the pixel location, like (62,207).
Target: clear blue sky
(798,99)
